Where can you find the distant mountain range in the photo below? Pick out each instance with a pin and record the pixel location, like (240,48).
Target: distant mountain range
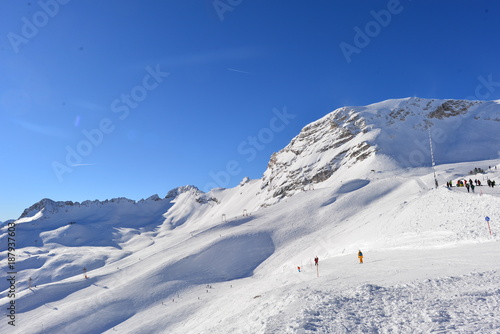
(397,130)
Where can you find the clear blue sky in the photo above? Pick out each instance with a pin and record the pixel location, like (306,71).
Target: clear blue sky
(150,95)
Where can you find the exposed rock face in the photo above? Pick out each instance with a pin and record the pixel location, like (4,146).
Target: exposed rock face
(317,152)
(245,180)
(451,108)
(177,191)
(46,204)
(199,196)
(398,129)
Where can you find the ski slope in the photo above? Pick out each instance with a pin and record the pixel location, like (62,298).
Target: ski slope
(430,262)
(227,261)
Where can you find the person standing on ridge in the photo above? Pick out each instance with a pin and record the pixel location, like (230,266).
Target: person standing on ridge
(316,261)
(360,256)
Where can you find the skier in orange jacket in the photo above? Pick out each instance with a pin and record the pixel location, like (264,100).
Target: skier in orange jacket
(360,256)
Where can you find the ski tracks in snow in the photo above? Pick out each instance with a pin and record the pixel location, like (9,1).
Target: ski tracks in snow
(461,304)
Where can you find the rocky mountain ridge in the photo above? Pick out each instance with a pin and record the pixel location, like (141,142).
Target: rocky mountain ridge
(397,130)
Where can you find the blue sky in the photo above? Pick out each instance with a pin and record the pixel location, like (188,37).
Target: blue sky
(132,98)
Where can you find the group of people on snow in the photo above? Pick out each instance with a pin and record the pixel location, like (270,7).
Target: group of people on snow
(477,170)
(469,184)
(465,183)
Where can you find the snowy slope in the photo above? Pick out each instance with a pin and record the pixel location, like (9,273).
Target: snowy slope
(396,129)
(226,261)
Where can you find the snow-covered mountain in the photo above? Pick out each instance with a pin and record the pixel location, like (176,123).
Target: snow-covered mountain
(226,261)
(397,129)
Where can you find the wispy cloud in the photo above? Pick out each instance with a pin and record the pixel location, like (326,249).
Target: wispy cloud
(79,165)
(239,71)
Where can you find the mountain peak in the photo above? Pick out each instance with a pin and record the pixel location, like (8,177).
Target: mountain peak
(398,129)
(179,190)
(46,204)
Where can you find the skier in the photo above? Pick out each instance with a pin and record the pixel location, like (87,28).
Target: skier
(467,186)
(360,256)
(316,261)
(298,268)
